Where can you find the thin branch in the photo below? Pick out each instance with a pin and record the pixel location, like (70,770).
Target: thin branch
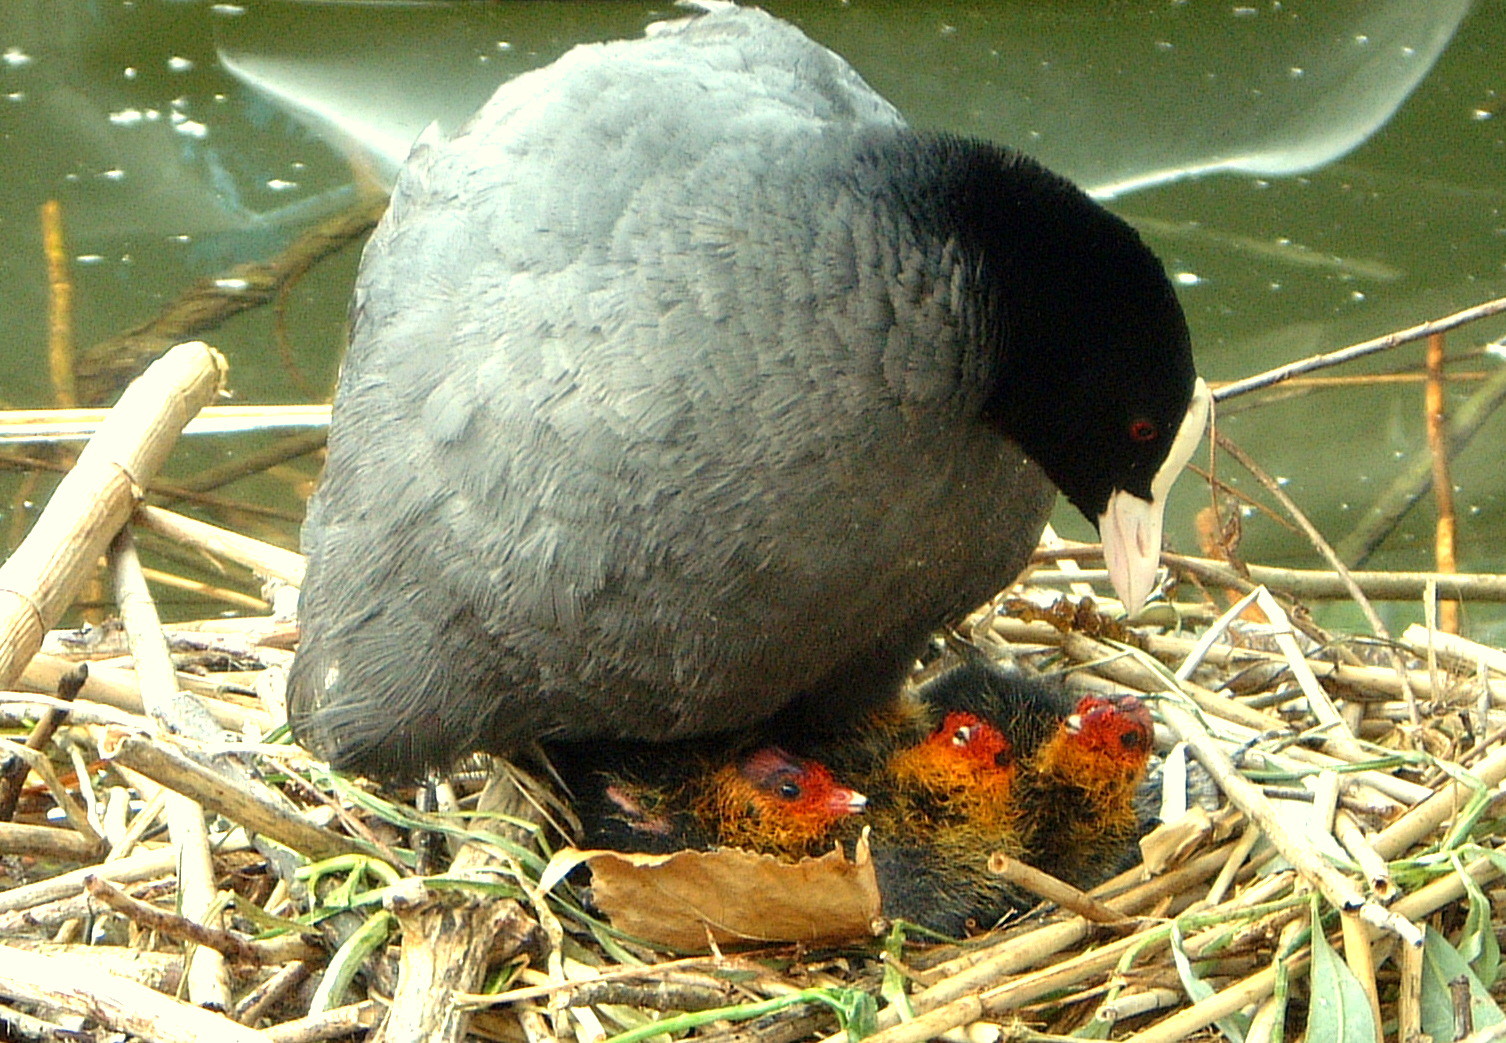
(1360,350)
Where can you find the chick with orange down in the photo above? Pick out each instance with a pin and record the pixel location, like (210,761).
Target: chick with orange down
(1035,771)
(941,808)
(1075,796)
(978,761)
(1082,757)
(659,799)
(770,802)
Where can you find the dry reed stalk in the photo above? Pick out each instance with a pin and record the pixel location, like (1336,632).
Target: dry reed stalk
(1470,654)
(1051,889)
(24,426)
(336,1023)
(208,977)
(124,1006)
(145,865)
(1377,873)
(250,1008)
(49,842)
(1365,380)
(112,686)
(42,576)
(159,761)
(1314,584)
(59,305)
(1184,1023)
(265,560)
(181,929)
(1434,410)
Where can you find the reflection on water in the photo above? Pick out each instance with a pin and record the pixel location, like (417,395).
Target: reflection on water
(1312,174)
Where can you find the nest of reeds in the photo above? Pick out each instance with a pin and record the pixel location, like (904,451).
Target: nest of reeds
(168,852)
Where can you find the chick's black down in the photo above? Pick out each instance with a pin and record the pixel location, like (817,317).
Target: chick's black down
(686,382)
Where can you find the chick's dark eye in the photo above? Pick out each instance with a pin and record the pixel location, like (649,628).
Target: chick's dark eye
(1143,430)
(1130,740)
(788,790)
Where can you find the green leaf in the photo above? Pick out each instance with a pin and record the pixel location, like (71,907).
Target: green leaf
(862,1015)
(1234,1026)
(1441,964)
(894,988)
(1340,1010)
(1477,942)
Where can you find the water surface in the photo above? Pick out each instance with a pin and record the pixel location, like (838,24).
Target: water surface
(1312,175)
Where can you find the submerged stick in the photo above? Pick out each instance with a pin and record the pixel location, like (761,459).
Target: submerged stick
(1417,475)
(212,300)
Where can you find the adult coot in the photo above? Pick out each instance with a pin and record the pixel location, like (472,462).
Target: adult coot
(686,382)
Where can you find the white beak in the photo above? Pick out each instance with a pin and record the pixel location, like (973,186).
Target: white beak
(1131,527)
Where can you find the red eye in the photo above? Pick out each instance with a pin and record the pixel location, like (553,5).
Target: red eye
(1143,430)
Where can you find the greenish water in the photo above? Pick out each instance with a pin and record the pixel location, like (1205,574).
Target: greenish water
(1313,175)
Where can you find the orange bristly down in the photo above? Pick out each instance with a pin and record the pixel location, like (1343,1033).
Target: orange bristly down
(771,802)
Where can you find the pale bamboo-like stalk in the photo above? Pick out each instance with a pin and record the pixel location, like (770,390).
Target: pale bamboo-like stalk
(208,977)
(1337,888)
(261,558)
(78,985)
(92,502)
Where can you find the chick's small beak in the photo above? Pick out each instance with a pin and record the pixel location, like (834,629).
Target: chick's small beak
(847,802)
(1131,527)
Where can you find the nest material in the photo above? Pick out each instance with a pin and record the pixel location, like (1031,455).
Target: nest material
(1380,828)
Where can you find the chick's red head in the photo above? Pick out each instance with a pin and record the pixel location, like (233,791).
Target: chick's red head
(1110,738)
(792,786)
(965,753)
(773,802)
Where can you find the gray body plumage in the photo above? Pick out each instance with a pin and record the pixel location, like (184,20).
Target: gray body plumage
(655,416)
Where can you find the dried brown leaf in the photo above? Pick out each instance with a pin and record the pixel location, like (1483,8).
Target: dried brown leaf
(736,898)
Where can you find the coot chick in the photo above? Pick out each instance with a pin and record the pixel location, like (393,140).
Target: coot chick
(1076,762)
(686,383)
(938,811)
(656,799)
(1076,796)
